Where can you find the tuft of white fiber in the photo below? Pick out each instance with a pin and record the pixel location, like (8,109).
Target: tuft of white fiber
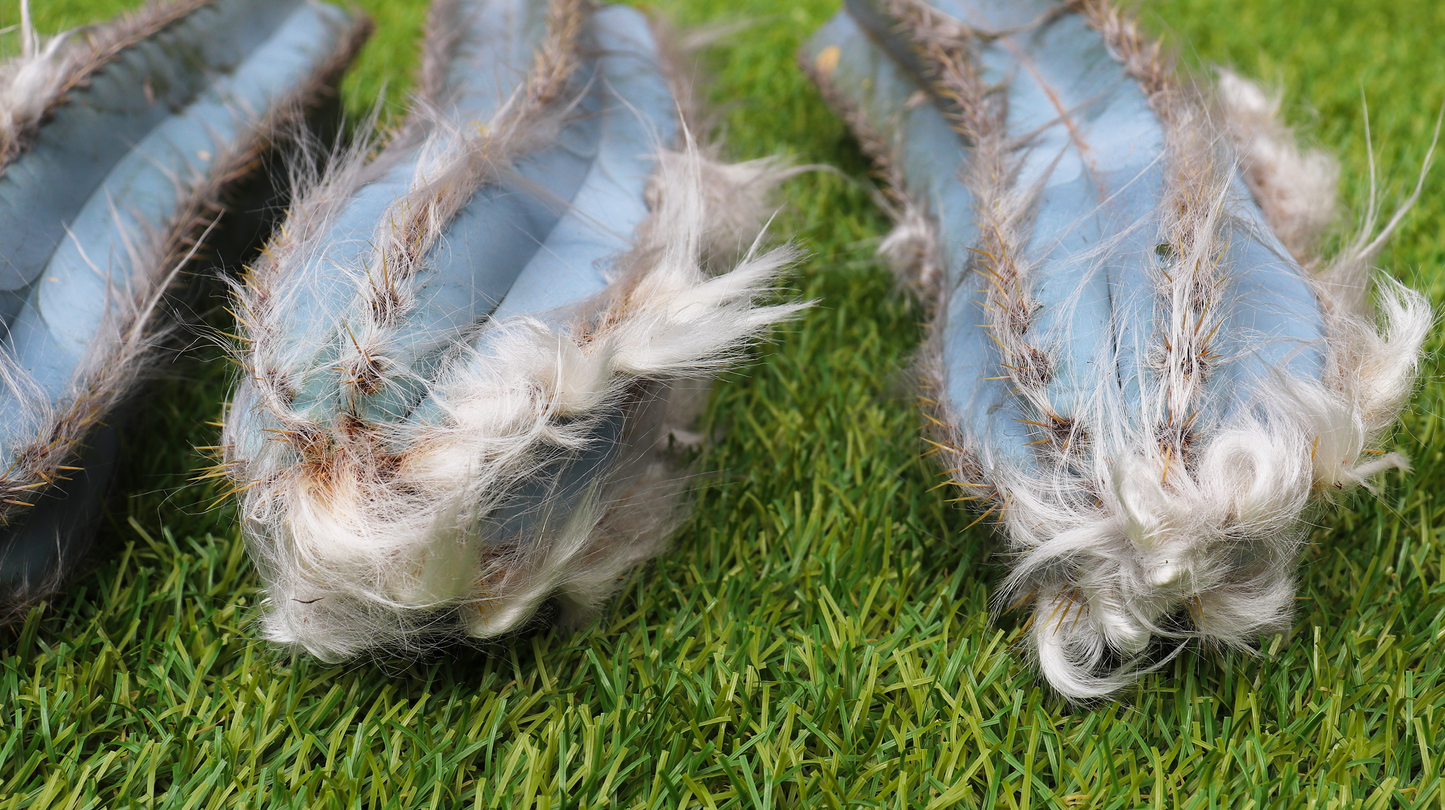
(1139,366)
(465,350)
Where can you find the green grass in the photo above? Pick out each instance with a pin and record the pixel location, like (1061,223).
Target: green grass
(819,634)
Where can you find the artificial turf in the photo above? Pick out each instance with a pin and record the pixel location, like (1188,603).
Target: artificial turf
(819,634)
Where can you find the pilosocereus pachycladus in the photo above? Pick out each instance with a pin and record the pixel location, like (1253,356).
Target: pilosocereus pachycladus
(461,351)
(1139,366)
(118,143)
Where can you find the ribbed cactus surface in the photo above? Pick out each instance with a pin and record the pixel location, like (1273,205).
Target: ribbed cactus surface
(1138,366)
(117,142)
(460,350)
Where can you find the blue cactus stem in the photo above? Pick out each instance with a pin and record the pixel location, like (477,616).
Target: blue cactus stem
(462,349)
(1109,300)
(536,242)
(96,210)
(570,264)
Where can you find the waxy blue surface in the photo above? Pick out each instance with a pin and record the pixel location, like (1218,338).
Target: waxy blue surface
(43,190)
(1090,152)
(104,177)
(539,241)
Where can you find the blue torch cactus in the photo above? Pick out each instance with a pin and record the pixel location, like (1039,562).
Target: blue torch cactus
(1139,366)
(463,350)
(117,142)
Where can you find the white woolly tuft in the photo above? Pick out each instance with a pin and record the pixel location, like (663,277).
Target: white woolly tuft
(30,83)
(393,534)
(912,249)
(740,195)
(1295,187)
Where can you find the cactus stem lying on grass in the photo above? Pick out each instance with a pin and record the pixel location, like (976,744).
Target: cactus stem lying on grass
(463,350)
(1139,367)
(118,142)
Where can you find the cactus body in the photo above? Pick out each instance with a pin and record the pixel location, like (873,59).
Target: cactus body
(1129,368)
(118,141)
(460,351)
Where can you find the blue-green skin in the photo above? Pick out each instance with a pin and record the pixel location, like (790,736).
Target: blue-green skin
(121,104)
(454,287)
(1091,246)
(103,172)
(510,251)
(572,264)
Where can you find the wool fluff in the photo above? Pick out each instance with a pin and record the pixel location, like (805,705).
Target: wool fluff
(117,144)
(1139,366)
(465,349)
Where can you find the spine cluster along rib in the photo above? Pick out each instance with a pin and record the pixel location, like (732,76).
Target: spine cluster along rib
(1139,365)
(463,350)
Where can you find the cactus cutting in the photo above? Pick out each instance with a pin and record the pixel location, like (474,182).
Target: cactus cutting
(1140,366)
(461,351)
(118,142)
